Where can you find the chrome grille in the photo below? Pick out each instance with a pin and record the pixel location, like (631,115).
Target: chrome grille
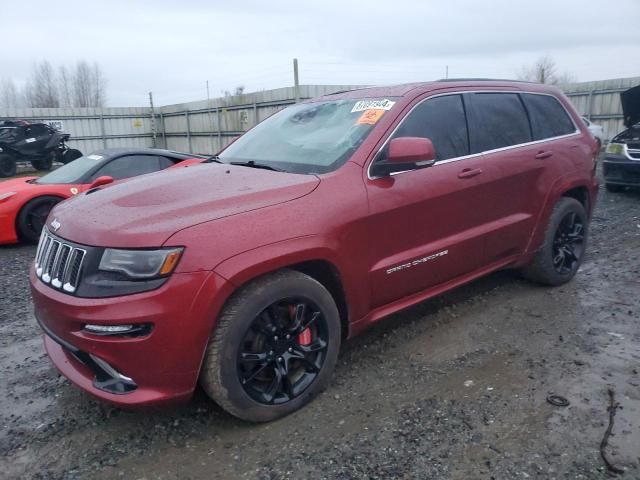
(634,153)
(58,264)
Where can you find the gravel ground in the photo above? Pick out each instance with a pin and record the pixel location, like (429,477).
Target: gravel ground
(454,388)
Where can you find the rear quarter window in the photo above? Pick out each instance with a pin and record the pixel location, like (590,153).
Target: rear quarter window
(548,117)
(498,120)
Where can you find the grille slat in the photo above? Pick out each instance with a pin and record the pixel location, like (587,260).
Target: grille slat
(57,263)
(634,153)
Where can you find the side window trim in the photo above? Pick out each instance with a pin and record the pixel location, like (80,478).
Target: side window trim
(465,157)
(526,111)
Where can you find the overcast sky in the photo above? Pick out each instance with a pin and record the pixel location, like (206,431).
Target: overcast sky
(172,47)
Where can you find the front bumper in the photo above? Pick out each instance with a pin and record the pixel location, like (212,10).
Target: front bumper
(8,232)
(621,171)
(161,366)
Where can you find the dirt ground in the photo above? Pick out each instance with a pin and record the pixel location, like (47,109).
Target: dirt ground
(454,388)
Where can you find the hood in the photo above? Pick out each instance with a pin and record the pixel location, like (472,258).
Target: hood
(630,100)
(17,184)
(147,210)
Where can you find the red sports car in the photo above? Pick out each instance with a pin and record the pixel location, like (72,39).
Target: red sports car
(25,202)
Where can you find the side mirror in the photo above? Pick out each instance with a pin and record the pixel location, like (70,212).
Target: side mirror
(406,153)
(100,181)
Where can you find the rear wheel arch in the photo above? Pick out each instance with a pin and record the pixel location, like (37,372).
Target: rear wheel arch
(575,189)
(581,194)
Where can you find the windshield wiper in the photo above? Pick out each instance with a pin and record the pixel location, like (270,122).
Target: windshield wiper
(213,158)
(253,164)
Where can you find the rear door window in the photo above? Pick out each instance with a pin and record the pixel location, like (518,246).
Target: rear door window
(498,120)
(548,117)
(442,120)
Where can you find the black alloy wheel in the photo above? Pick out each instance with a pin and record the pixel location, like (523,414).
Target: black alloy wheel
(274,346)
(33,216)
(283,351)
(568,243)
(558,258)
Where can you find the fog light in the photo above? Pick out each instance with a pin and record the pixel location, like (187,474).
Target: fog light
(127,330)
(108,329)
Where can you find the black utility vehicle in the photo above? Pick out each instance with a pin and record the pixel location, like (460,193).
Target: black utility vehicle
(37,143)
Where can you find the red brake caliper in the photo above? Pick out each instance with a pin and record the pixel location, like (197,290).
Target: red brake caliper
(304,337)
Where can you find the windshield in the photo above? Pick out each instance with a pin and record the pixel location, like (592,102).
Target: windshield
(310,137)
(72,172)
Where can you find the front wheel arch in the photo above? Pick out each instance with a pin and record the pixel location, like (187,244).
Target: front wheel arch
(20,217)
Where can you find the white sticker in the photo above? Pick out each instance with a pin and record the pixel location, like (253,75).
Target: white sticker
(95,157)
(74,191)
(373,105)
(57,124)
(30,140)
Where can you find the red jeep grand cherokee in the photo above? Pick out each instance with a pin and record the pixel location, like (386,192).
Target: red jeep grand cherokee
(247,272)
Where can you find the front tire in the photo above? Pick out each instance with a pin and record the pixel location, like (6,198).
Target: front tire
(43,164)
(33,216)
(274,347)
(7,165)
(562,250)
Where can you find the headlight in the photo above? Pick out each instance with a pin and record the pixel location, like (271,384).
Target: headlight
(140,264)
(616,148)
(4,196)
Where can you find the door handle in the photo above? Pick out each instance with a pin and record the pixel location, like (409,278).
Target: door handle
(544,154)
(469,172)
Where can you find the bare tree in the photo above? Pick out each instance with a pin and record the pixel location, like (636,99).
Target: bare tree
(99,86)
(65,86)
(239,90)
(81,86)
(42,89)
(89,85)
(545,71)
(9,96)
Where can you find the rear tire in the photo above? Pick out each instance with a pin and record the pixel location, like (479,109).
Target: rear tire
(7,165)
(613,188)
(252,368)
(42,164)
(562,250)
(33,215)
(70,155)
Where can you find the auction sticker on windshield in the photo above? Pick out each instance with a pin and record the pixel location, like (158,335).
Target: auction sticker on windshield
(370,117)
(362,105)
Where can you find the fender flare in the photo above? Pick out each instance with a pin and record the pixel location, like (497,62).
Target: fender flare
(557,190)
(246,266)
(258,261)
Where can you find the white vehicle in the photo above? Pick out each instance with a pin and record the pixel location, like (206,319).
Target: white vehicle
(596,130)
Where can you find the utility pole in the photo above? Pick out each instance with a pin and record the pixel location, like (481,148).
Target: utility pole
(153,121)
(296,82)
